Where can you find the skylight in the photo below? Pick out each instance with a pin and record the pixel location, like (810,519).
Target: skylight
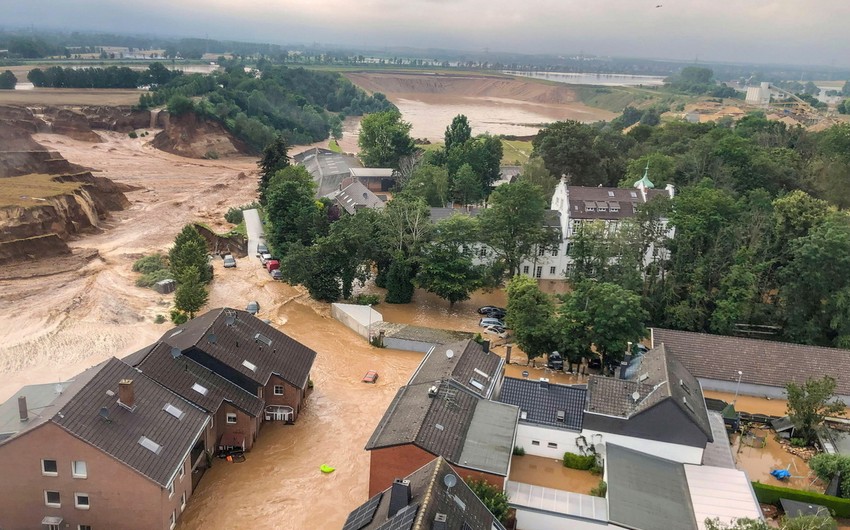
(476,384)
(482,374)
(262,338)
(200,389)
(249,365)
(174,411)
(150,445)
(610,193)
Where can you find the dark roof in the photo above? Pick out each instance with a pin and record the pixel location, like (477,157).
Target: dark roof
(327,168)
(444,420)
(624,200)
(658,377)
(353,196)
(647,492)
(438,214)
(119,436)
(429,496)
(800,509)
(762,362)
(180,374)
(469,362)
(233,336)
(542,403)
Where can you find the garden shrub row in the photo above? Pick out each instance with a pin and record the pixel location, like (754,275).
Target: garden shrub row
(769,494)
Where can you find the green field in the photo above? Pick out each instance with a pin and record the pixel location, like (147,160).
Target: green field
(514,152)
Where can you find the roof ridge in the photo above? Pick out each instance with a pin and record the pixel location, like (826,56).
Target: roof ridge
(428,494)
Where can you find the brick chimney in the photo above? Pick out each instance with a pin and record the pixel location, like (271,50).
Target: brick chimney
(399,496)
(126,394)
(22,408)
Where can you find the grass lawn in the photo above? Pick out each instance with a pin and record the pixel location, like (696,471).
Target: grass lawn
(33,190)
(334,146)
(514,152)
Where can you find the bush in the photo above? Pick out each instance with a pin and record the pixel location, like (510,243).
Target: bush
(151,263)
(133,135)
(179,104)
(211,155)
(179,317)
(600,490)
(159,319)
(519,451)
(150,279)
(574,461)
(798,442)
(367,299)
(768,494)
(235,216)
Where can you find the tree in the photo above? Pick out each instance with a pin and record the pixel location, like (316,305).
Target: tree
(826,466)
(530,316)
(467,186)
(535,172)
(179,105)
(803,522)
(400,276)
(568,148)
(294,215)
(190,250)
(191,294)
(447,268)
(8,80)
(493,498)
(810,403)
(275,157)
(458,133)
(430,183)
(514,224)
(384,139)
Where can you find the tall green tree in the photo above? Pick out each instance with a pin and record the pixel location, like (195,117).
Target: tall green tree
(384,139)
(531,317)
(430,183)
(493,498)
(294,215)
(535,172)
(467,186)
(447,266)
(458,133)
(191,294)
(810,403)
(514,224)
(190,250)
(275,157)
(400,276)
(567,148)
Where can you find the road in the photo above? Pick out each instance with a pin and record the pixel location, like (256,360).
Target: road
(254,227)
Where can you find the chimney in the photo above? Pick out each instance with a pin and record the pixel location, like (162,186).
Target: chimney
(126,394)
(508,354)
(440,522)
(624,364)
(22,408)
(544,383)
(486,345)
(399,496)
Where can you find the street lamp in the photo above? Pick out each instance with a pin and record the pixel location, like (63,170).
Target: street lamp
(737,386)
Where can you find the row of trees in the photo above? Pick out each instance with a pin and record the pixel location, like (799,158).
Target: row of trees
(109,77)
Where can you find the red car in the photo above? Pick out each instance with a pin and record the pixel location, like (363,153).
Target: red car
(370,377)
(272,265)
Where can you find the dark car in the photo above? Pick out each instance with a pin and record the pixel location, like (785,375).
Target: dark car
(490,308)
(554,361)
(262,248)
(253,307)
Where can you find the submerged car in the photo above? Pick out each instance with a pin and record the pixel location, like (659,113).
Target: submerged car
(229,261)
(370,377)
(496,330)
(487,322)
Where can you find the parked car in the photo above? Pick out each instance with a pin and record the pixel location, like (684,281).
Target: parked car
(277,275)
(486,322)
(272,264)
(265,257)
(262,248)
(253,307)
(488,308)
(496,330)
(555,361)
(229,261)
(370,377)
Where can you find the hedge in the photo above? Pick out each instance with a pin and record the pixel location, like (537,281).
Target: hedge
(769,494)
(574,461)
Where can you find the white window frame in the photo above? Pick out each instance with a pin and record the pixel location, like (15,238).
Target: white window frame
(52,504)
(77,504)
(525,269)
(74,469)
(49,473)
(281,390)
(552,270)
(182,502)
(173,519)
(539,272)
(230,415)
(171,489)
(182,470)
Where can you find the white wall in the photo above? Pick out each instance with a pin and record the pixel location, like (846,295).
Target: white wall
(527,519)
(566,441)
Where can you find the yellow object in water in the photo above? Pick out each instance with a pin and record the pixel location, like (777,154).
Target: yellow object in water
(327,469)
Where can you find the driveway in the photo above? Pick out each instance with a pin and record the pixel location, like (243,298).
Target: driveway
(255,231)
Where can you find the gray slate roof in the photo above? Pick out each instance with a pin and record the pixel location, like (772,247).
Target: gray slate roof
(43,401)
(646,492)
(237,342)
(327,168)
(430,495)
(119,437)
(659,376)
(541,405)
(180,374)
(354,195)
(762,362)
(467,357)
(623,199)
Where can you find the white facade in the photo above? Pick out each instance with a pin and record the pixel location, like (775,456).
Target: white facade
(553,443)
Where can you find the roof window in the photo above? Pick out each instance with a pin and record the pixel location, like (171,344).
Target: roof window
(174,411)
(150,445)
(249,365)
(262,338)
(202,390)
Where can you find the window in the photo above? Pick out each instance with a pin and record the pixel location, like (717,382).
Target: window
(52,499)
(569,249)
(52,527)
(49,468)
(173,519)
(555,252)
(551,270)
(174,411)
(231,417)
(83,527)
(171,490)
(539,272)
(525,269)
(200,389)
(183,501)
(81,501)
(535,442)
(552,445)
(150,445)
(79,469)
(249,365)
(610,193)
(278,390)
(542,251)
(182,470)
(482,253)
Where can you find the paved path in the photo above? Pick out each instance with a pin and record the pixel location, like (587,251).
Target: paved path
(255,232)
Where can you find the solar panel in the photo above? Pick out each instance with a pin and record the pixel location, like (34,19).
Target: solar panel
(403,520)
(363,515)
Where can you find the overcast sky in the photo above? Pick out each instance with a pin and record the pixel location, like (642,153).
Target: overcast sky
(776,31)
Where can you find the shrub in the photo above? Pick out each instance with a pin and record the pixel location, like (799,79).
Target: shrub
(211,155)
(493,498)
(600,490)
(769,494)
(574,461)
(519,451)
(798,442)
(827,466)
(133,135)
(151,263)
(179,104)
(367,299)
(150,279)
(235,216)
(159,319)
(179,317)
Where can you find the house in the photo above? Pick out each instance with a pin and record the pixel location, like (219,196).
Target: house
(328,168)
(763,367)
(432,497)
(109,449)
(352,196)
(235,413)
(375,178)
(250,354)
(444,410)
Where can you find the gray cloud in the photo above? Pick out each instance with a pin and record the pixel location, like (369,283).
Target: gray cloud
(780,31)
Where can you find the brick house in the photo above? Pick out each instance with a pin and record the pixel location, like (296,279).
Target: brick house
(441,412)
(109,449)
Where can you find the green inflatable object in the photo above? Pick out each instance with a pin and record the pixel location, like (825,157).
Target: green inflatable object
(327,469)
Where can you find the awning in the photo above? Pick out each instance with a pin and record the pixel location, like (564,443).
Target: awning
(232,439)
(51,519)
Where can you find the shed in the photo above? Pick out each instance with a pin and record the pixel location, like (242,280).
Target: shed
(800,509)
(165,286)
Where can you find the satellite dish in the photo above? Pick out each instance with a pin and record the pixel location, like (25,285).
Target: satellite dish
(211,338)
(450,353)
(450,480)
(636,396)
(230,320)
(175,353)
